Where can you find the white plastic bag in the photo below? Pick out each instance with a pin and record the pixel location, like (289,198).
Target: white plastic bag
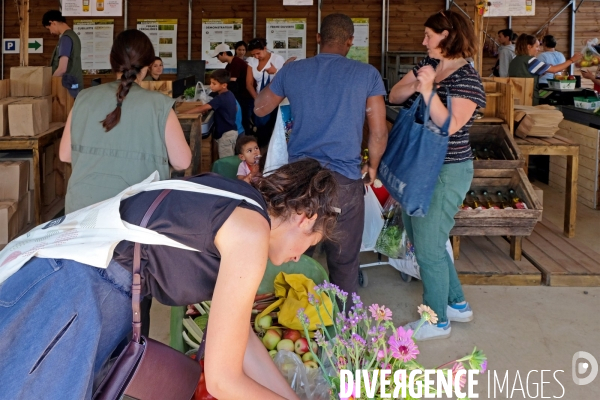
(408,264)
(202,93)
(373,221)
(277,154)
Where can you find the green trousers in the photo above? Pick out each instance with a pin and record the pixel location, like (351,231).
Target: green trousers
(429,235)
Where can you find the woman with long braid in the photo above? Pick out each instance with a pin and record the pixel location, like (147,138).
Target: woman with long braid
(118,133)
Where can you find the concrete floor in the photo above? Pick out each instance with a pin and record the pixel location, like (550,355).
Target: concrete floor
(520,329)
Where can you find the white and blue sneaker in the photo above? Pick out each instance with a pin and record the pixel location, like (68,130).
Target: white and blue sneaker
(460,312)
(430,332)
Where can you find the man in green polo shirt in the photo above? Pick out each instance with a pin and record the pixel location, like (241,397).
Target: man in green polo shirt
(66,58)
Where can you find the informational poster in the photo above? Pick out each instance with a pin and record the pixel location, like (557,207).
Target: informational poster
(297,2)
(96,36)
(217,31)
(360,46)
(287,37)
(163,35)
(92,8)
(510,8)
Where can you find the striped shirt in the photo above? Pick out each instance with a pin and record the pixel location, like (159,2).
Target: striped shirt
(537,67)
(464,83)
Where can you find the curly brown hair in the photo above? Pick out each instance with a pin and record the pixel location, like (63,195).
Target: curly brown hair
(461,40)
(302,187)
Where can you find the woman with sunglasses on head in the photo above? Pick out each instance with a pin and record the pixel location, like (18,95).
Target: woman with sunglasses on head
(449,39)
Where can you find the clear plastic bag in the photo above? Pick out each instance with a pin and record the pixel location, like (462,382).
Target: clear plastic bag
(591,54)
(308,383)
(202,93)
(392,238)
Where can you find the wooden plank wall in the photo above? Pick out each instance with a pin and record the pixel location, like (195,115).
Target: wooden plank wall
(405,31)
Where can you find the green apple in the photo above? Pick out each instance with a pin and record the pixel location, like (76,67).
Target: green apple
(311,365)
(285,344)
(308,357)
(273,353)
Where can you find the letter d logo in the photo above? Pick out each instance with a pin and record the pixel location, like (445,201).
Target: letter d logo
(581,367)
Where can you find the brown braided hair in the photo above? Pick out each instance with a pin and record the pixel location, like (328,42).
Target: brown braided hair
(302,187)
(131,51)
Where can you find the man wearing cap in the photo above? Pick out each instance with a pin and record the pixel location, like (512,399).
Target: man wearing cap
(237,69)
(66,58)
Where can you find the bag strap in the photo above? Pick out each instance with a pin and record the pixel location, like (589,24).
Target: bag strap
(446,125)
(136,287)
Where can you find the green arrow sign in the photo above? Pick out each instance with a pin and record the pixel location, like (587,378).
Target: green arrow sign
(35,45)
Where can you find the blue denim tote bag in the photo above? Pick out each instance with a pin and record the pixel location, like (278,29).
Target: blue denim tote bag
(413,159)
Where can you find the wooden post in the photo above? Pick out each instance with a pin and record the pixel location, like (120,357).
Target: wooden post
(23,7)
(478,19)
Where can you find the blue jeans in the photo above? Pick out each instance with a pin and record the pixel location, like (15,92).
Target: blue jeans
(60,321)
(429,235)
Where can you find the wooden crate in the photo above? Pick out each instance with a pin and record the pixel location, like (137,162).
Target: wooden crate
(498,139)
(499,104)
(522,88)
(503,222)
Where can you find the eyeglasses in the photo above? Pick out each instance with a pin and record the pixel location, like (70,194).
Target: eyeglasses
(447,19)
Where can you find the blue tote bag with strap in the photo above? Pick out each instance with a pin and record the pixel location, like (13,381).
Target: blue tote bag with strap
(414,156)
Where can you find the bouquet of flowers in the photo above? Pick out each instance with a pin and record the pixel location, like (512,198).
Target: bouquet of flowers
(365,339)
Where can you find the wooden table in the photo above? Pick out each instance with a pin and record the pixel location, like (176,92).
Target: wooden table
(558,146)
(192,129)
(36,144)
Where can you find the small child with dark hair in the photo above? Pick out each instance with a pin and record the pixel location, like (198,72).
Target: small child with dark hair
(225,107)
(249,152)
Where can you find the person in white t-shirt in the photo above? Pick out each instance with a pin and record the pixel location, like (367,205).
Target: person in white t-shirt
(262,67)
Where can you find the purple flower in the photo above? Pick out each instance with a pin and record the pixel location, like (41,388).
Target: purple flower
(302,317)
(319,339)
(380,355)
(483,367)
(357,339)
(358,305)
(403,349)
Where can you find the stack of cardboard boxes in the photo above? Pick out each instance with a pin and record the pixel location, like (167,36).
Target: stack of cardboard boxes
(28,110)
(16,205)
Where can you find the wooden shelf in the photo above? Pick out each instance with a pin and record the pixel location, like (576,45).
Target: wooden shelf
(493,94)
(489,120)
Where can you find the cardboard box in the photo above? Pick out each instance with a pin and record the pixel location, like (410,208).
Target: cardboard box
(14,177)
(21,155)
(4,88)
(538,121)
(49,189)
(31,81)
(48,100)
(31,208)
(540,195)
(28,117)
(4,114)
(9,224)
(23,212)
(48,160)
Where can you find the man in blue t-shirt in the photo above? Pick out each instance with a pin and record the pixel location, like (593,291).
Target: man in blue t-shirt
(329,97)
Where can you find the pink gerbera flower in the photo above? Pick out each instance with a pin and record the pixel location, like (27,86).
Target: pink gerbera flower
(402,334)
(402,348)
(463,378)
(380,313)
